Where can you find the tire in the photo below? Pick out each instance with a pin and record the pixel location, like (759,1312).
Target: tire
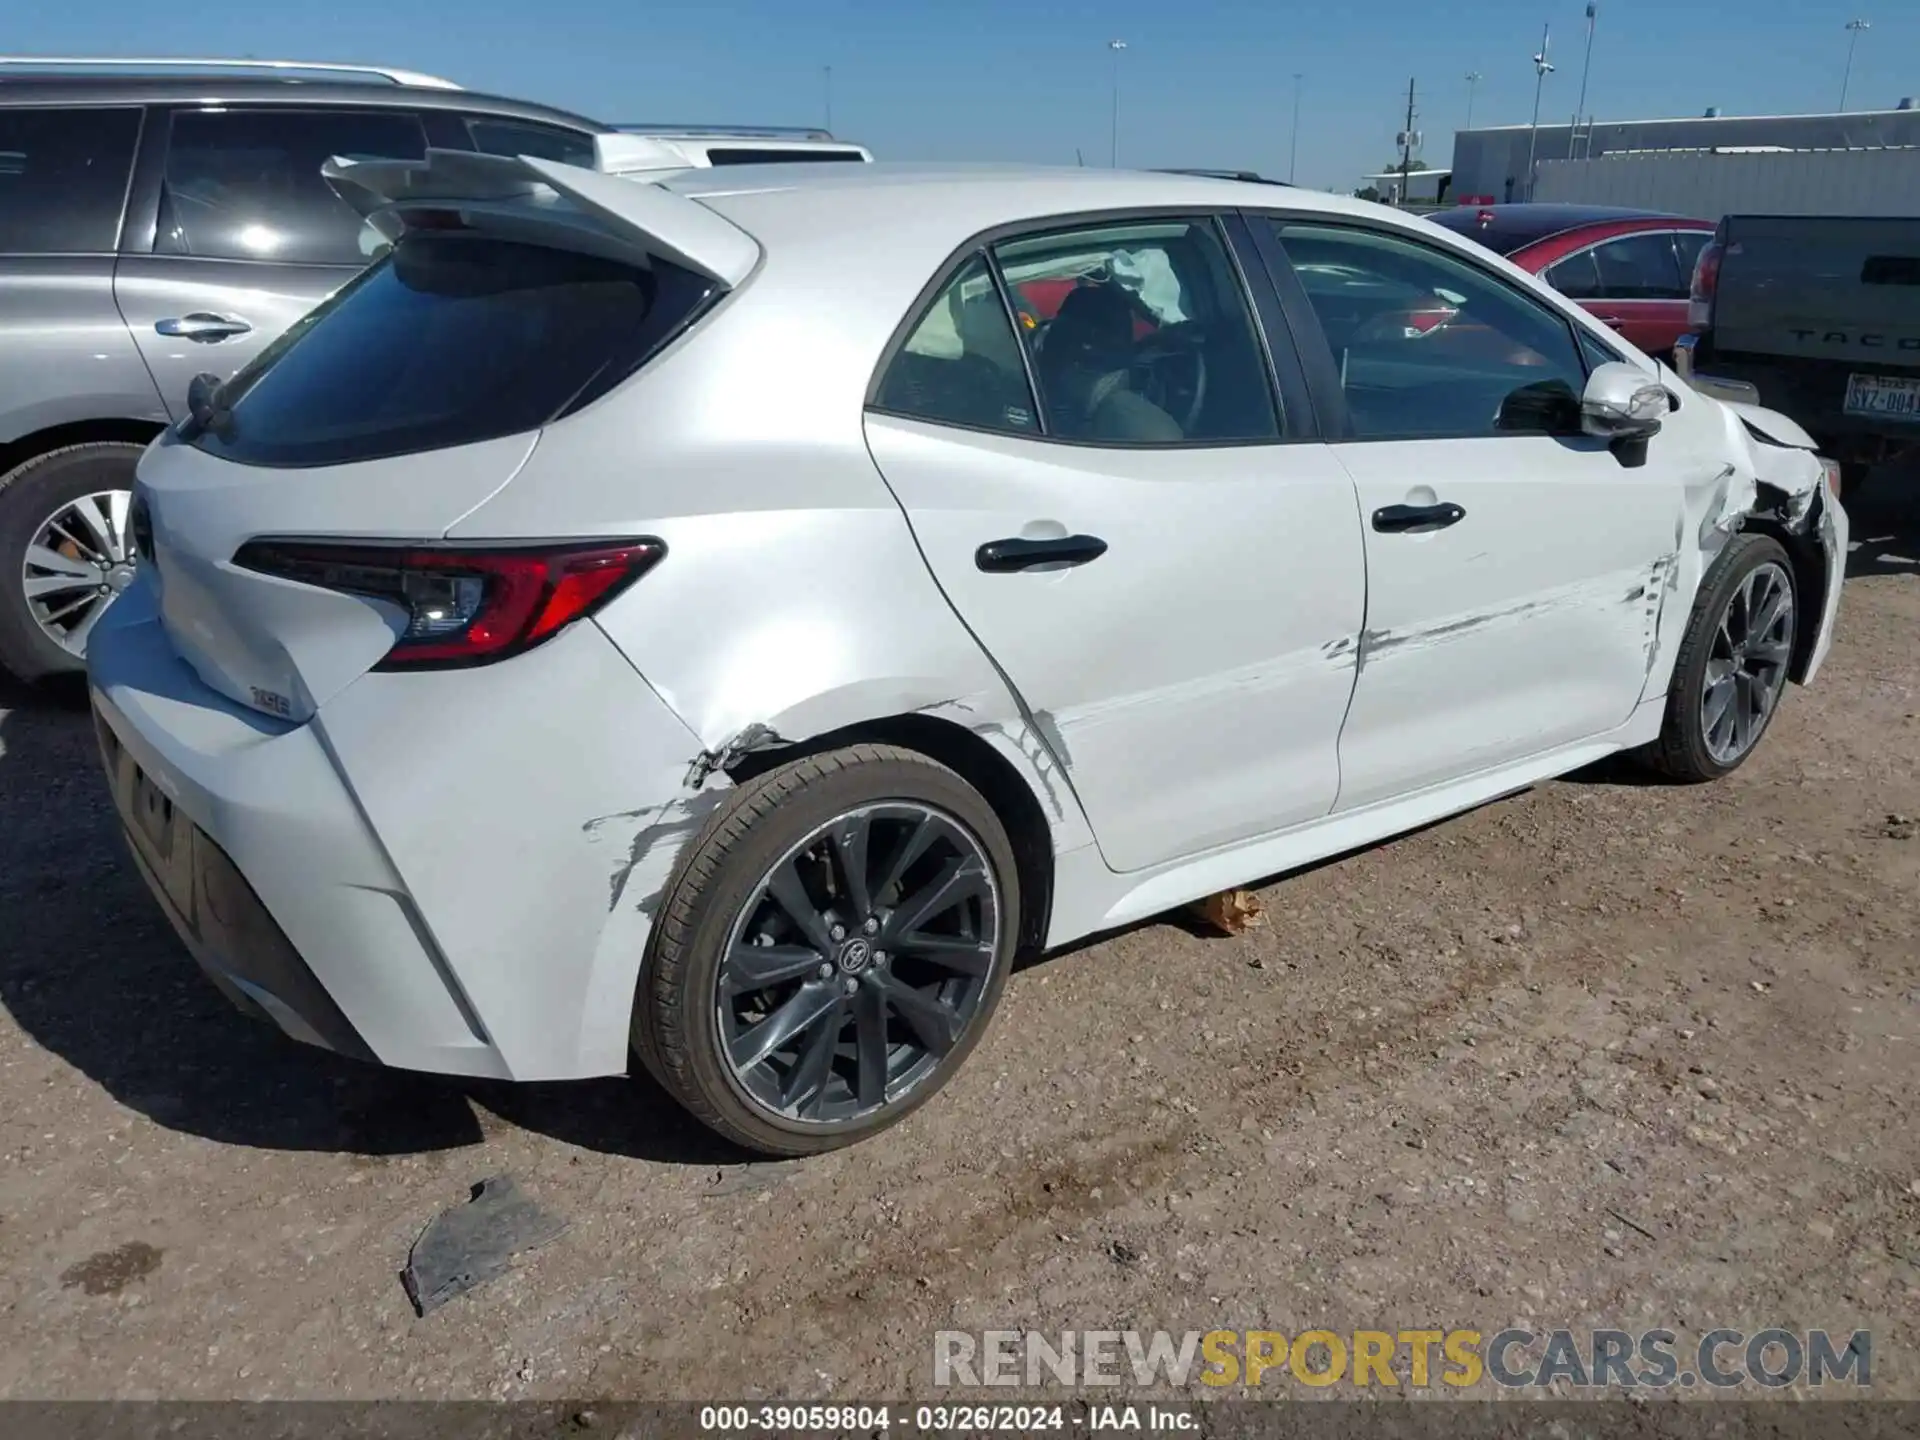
(30,495)
(683,1022)
(1685,750)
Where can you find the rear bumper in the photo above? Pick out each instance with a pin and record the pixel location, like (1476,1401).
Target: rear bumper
(1812,392)
(216,914)
(426,874)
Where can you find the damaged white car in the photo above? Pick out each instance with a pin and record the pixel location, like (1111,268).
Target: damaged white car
(725,616)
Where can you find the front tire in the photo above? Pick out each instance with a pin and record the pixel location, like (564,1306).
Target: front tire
(831,949)
(65,553)
(1732,668)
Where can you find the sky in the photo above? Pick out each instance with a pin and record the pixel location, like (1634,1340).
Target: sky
(1201,82)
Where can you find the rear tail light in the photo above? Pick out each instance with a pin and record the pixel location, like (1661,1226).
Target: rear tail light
(464,606)
(1706,280)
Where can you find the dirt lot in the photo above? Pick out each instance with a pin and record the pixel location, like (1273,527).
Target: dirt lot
(1605,1053)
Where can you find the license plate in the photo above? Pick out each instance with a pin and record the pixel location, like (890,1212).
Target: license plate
(1892,397)
(153,813)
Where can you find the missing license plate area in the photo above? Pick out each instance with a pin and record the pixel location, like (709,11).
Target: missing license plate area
(1889,396)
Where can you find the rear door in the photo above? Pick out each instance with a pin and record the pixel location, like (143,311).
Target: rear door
(1162,557)
(234,235)
(64,354)
(1514,565)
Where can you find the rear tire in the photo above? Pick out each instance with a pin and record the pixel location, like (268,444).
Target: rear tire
(899,998)
(31,495)
(1706,736)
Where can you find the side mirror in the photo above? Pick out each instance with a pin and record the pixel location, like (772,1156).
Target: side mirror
(1622,402)
(201,394)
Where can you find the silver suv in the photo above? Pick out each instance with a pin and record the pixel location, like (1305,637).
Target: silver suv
(171,220)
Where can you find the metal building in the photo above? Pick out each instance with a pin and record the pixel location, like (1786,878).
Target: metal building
(1490,164)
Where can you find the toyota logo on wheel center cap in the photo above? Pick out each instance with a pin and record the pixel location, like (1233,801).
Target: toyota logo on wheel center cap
(855,956)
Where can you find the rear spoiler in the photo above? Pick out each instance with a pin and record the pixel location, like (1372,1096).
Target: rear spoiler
(607,208)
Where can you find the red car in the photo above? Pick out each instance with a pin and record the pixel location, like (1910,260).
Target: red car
(1629,268)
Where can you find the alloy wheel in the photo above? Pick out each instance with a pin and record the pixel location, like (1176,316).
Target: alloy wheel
(858,963)
(1747,665)
(79,559)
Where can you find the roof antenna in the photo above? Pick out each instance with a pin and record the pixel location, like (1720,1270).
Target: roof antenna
(1078,158)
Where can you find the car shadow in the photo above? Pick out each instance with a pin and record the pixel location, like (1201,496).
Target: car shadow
(91,972)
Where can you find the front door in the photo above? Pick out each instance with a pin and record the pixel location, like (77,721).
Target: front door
(247,236)
(1164,565)
(1515,567)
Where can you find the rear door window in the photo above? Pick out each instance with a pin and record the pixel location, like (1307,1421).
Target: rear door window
(63,179)
(961,365)
(246,184)
(449,340)
(1140,334)
(1639,267)
(1577,277)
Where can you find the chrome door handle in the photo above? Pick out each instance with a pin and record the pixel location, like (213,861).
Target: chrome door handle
(202,326)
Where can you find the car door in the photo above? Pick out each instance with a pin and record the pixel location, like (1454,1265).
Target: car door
(1632,283)
(1158,553)
(1514,565)
(238,234)
(64,354)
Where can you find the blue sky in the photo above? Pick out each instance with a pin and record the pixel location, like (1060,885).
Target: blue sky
(1202,82)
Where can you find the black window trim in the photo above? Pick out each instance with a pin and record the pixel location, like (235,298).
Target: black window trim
(141,223)
(126,193)
(1035,226)
(1316,351)
(1670,231)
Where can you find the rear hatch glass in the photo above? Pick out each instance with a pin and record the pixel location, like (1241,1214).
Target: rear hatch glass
(452,338)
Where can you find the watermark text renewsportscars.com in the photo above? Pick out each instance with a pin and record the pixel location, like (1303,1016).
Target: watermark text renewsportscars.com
(1514,1359)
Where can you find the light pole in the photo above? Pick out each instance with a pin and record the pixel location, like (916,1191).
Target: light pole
(1114,47)
(1854,27)
(1293,148)
(1541,69)
(1474,77)
(1581,107)
(826,86)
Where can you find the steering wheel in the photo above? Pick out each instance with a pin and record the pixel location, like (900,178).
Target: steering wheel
(1169,368)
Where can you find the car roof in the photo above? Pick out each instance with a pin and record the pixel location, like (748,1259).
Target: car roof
(1509,228)
(217,89)
(964,198)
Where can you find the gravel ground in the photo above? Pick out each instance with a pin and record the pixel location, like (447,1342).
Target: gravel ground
(1606,1053)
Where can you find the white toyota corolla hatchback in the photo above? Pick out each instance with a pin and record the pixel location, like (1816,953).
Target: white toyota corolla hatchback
(725,616)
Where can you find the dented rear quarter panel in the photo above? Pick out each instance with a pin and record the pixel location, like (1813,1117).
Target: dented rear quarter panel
(792,601)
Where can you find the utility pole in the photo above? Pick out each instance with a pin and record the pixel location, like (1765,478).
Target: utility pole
(1474,77)
(826,85)
(1586,66)
(1406,148)
(1854,27)
(1114,47)
(1293,149)
(1541,69)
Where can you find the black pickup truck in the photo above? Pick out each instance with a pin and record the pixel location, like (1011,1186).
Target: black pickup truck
(1822,317)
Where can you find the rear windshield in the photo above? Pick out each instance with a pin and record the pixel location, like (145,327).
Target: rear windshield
(449,340)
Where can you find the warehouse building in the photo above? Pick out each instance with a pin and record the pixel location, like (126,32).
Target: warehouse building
(1490,164)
